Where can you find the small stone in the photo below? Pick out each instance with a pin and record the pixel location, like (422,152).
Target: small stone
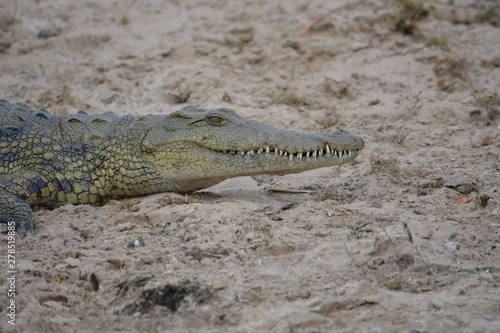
(250,236)
(136,243)
(73,262)
(462,184)
(218,285)
(48,33)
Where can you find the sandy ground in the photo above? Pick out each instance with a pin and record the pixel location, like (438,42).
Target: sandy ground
(402,240)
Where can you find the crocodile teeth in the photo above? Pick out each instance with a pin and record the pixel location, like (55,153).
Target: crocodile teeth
(316,153)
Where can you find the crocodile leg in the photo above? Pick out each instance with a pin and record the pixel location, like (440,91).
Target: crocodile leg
(21,190)
(14,209)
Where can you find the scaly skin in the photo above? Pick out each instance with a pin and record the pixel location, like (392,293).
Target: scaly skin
(51,160)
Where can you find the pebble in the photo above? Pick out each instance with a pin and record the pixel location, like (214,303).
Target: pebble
(48,33)
(250,236)
(73,262)
(218,285)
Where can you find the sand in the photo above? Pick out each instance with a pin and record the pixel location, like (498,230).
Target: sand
(404,239)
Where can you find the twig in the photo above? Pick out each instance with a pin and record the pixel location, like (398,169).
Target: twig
(291,191)
(407,231)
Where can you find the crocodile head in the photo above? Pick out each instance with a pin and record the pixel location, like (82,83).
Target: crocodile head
(197,148)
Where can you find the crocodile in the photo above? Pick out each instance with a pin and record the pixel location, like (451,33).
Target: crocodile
(49,160)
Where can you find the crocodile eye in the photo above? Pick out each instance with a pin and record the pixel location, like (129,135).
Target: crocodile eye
(216,120)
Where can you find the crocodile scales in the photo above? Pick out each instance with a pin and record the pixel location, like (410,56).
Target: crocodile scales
(50,160)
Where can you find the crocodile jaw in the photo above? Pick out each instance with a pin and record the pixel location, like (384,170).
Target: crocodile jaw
(204,165)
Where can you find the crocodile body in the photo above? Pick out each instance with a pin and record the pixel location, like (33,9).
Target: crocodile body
(50,160)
